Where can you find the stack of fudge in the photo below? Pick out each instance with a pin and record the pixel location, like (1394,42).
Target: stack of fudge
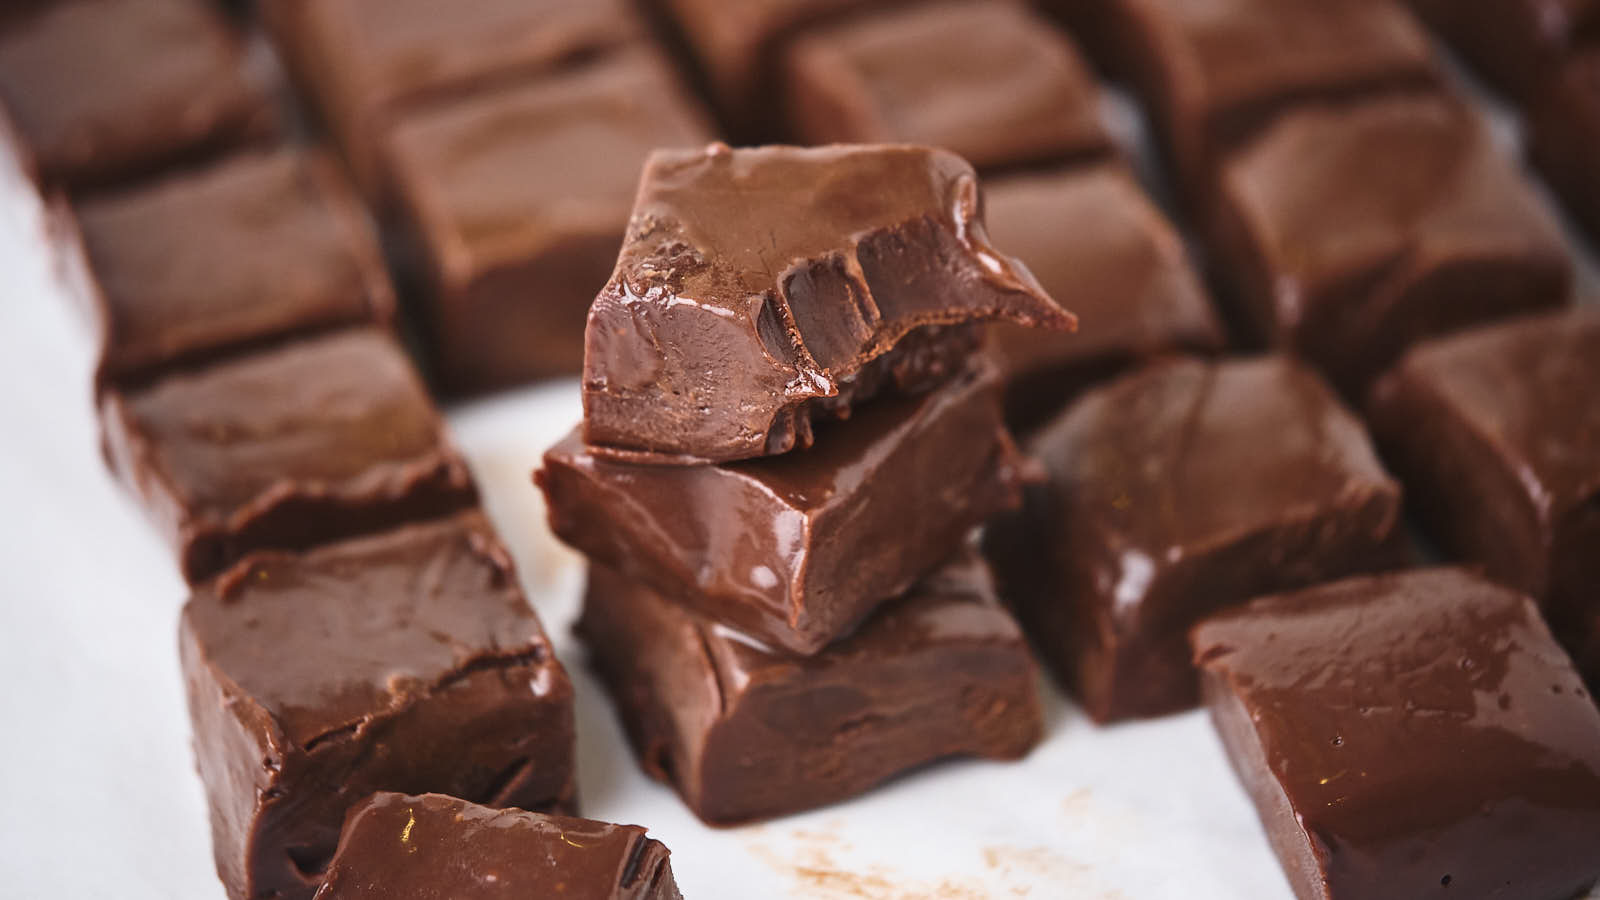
(789,437)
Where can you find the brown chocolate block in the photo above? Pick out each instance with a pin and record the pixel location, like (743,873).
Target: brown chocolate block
(989,81)
(515,202)
(101,91)
(258,248)
(759,287)
(1410,735)
(287,448)
(797,549)
(1177,491)
(1349,233)
(1496,433)
(1564,122)
(363,61)
(1101,248)
(405,661)
(745,732)
(1517,44)
(396,847)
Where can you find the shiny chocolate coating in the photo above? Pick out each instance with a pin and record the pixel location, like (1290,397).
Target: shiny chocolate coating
(1408,736)
(406,661)
(431,847)
(756,284)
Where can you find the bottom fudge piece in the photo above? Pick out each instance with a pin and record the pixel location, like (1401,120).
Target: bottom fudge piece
(407,661)
(749,732)
(1410,735)
(396,847)
(1176,491)
(1565,121)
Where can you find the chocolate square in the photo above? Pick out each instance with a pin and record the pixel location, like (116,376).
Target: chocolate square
(992,82)
(1564,122)
(746,732)
(258,248)
(1409,735)
(363,61)
(1350,232)
(436,846)
(1496,434)
(288,448)
(1101,248)
(515,202)
(1177,491)
(406,661)
(797,549)
(100,91)
(1517,44)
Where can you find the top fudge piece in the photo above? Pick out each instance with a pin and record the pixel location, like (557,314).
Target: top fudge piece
(396,847)
(758,286)
(989,81)
(257,248)
(1518,44)
(1497,435)
(1351,232)
(100,91)
(1410,735)
(1565,121)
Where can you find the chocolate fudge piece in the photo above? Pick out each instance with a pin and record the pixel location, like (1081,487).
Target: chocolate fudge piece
(1349,233)
(287,448)
(1517,44)
(1585,645)
(362,62)
(1174,492)
(258,248)
(757,287)
(396,847)
(990,81)
(405,661)
(798,549)
(1409,735)
(747,732)
(515,202)
(1565,125)
(1100,247)
(1214,72)
(99,91)
(1496,433)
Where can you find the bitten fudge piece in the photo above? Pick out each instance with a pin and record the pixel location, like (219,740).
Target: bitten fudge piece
(362,61)
(756,287)
(516,201)
(396,847)
(405,661)
(1174,492)
(746,732)
(798,549)
(258,248)
(1565,126)
(1409,735)
(1214,71)
(1100,247)
(1496,434)
(99,91)
(990,81)
(1349,233)
(288,448)
(1518,44)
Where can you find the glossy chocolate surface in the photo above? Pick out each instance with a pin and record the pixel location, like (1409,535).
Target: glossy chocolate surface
(287,448)
(258,248)
(1350,232)
(745,732)
(1496,433)
(992,82)
(756,285)
(1409,736)
(1101,248)
(1174,492)
(428,847)
(406,661)
(516,201)
(1517,44)
(1565,124)
(797,549)
(100,91)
